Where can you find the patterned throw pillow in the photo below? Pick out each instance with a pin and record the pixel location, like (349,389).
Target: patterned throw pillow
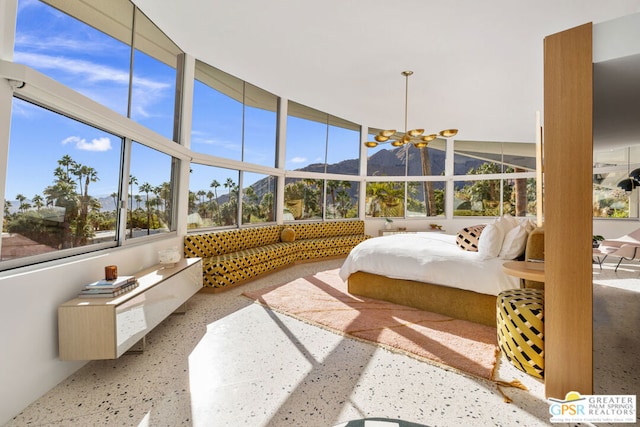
(467,238)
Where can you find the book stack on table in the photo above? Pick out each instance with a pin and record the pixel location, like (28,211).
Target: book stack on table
(109,288)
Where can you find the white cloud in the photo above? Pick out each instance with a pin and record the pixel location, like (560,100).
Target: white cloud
(56,44)
(299,160)
(221,143)
(87,71)
(96,144)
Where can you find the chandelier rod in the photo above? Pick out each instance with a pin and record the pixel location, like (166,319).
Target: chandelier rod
(406,75)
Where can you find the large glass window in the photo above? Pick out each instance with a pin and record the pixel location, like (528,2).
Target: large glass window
(319,142)
(233,119)
(217,119)
(260,122)
(425,199)
(153,86)
(477,198)
(473,158)
(342,199)
(258,198)
(306,138)
(386,160)
(73,43)
(213,197)
(343,147)
(519,196)
(616,181)
(427,161)
(385,199)
(150,199)
(65,196)
(91,59)
(303,199)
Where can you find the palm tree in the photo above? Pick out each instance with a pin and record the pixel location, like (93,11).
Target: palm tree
(147,188)
(90,175)
(114,196)
(429,195)
(215,184)
(210,202)
(250,203)
(38,201)
(68,163)
(266,206)
(21,198)
(132,180)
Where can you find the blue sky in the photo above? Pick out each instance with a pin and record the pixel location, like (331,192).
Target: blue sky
(97,66)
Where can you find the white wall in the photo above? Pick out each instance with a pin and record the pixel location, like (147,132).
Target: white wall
(28,319)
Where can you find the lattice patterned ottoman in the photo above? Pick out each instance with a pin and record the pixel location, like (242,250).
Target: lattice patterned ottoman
(520,323)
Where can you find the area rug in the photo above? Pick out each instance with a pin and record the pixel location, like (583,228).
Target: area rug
(322,299)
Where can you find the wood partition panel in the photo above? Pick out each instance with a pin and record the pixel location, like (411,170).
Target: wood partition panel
(568,168)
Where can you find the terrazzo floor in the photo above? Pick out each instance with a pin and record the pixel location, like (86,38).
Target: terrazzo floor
(230,362)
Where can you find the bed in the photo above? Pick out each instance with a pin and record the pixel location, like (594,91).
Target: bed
(428,271)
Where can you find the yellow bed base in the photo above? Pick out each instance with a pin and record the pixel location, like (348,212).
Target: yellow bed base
(453,302)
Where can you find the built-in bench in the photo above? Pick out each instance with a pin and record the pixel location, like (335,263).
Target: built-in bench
(232,257)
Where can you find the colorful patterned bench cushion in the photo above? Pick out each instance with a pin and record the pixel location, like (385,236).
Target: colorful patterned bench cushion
(233,277)
(234,256)
(247,258)
(223,242)
(327,229)
(328,242)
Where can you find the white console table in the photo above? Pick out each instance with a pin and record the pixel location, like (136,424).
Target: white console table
(105,328)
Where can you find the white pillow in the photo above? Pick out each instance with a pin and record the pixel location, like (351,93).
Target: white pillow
(506,223)
(490,242)
(514,243)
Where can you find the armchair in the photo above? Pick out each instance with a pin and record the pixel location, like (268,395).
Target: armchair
(626,247)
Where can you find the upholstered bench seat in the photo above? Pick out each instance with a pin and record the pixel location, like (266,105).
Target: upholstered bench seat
(231,257)
(246,258)
(322,247)
(225,270)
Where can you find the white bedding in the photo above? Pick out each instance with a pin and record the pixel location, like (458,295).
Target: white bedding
(428,257)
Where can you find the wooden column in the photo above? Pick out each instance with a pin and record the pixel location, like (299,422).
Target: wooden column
(568,222)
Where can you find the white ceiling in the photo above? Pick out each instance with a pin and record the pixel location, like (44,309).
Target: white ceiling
(478,64)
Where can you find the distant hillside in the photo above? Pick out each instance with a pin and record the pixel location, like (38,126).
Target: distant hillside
(382,163)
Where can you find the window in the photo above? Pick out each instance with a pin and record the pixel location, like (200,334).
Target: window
(258,198)
(615,194)
(260,122)
(386,160)
(342,199)
(90,59)
(150,198)
(477,198)
(306,138)
(153,88)
(73,43)
(425,199)
(343,147)
(65,197)
(303,199)
(519,197)
(213,197)
(319,142)
(385,199)
(233,119)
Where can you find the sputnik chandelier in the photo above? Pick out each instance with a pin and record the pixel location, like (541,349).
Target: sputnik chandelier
(413,136)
